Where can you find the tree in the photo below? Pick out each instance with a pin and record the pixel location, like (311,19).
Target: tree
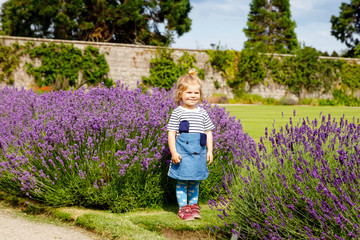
(270,28)
(334,54)
(153,22)
(326,54)
(346,26)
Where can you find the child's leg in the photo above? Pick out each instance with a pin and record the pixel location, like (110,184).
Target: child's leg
(193,192)
(181,192)
(193,195)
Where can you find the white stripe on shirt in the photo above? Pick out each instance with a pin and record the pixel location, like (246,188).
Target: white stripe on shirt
(199,120)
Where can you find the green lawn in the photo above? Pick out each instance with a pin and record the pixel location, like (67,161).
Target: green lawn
(255,118)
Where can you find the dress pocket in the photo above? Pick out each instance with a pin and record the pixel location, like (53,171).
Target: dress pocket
(184,127)
(203,139)
(189,143)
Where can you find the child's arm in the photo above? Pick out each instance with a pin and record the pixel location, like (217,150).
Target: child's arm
(209,146)
(175,156)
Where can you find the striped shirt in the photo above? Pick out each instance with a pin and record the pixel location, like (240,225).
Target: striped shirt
(199,120)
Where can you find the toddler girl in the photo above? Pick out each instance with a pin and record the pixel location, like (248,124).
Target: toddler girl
(191,144)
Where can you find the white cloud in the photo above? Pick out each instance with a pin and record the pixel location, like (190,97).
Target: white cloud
(309,10)
(301,6)
(317,35)
(309,7)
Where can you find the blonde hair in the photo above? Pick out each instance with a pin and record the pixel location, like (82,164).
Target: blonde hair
(184,82)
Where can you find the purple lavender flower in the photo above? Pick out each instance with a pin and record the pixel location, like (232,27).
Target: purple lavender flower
(319,159)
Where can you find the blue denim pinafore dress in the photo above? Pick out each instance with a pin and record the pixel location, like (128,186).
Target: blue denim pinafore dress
(192,148)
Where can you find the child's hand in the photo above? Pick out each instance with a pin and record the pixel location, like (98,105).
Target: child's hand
(176,158)
(209,157)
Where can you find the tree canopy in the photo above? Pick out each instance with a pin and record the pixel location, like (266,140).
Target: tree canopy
(152,22)
(270,28)
(346,27)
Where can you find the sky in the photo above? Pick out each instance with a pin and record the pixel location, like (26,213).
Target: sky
(221,22)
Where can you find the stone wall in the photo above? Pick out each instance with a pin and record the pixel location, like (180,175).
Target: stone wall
(129,63)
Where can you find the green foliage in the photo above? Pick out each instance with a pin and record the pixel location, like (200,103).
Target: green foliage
(245,98)
(9,60)
(325,54)
(60,64)
(135,22)
(218,98)
(342,98)
(350,75)
(299,72)
(306,72)
(94,67)
(350,83)
(222,60)
(346,26)
(216,84)
(309,101)
(250,68)
(303,71)
(287,101)
(334,54)
(357,51)
(186,62)
(164,72)
(327,102)
(270,28)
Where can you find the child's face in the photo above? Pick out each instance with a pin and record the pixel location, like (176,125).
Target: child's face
(191,96)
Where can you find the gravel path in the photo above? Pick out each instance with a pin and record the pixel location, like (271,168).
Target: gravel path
(13,227)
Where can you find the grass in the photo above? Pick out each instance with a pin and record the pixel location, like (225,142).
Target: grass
(140,224)
(145,224)
(255,118)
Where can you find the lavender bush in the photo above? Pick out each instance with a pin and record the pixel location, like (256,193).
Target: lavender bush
(304,186)
(104,147)
(231,145)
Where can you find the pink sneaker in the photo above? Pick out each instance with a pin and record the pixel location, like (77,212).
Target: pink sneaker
(185,213)
(195,209)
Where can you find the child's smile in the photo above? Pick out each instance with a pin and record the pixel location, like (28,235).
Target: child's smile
(191,96)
